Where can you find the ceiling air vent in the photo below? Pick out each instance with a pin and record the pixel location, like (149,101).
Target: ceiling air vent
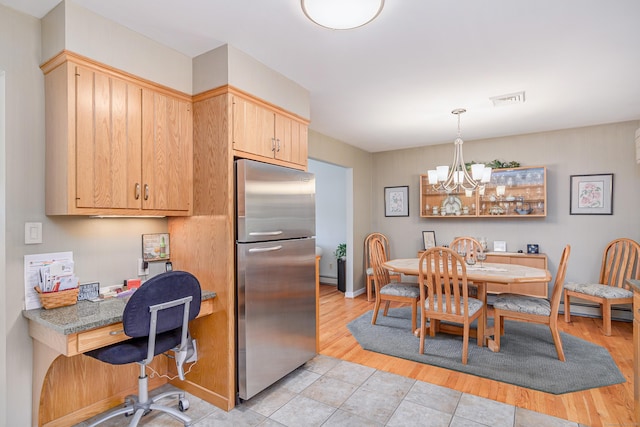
(508,99)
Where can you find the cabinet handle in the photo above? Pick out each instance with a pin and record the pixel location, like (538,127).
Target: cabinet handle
(278,141)
(146,191)
(273,145)
(137,192)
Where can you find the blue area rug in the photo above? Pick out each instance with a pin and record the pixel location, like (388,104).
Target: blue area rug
(527,356)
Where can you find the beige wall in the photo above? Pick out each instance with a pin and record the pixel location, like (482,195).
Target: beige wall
(330,150)
(228,65)
(105,250)
(79,30)
(590,150)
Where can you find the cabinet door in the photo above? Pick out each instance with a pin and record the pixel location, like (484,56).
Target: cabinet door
(291,140)
(108,141)
(536,289)
(253,128)
(167,150)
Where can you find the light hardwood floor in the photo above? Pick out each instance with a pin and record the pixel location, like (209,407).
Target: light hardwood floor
(605,406)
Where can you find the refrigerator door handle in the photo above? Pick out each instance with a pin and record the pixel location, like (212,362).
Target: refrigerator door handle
(265,233)
(270,249)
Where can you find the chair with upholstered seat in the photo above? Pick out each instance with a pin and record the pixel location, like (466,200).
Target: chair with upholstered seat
(369,277)
(156,318)
(619,263)
(526,308)
(388,291)
(442,299)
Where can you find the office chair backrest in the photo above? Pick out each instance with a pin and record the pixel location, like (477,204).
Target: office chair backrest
(160,289)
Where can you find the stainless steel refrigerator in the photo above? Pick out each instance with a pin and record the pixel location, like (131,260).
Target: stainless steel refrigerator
(275,279)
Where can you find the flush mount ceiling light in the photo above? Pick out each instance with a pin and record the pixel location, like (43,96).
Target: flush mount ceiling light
(341,14)
(456,178)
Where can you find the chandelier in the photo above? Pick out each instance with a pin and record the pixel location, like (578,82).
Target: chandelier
(341,14)
(456,178)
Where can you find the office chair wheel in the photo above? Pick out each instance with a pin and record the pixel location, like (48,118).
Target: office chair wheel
(130,400)
(183,405)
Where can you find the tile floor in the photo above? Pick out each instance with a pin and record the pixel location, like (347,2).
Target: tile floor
(331,392)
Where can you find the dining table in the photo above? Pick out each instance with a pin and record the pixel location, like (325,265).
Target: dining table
(480,275)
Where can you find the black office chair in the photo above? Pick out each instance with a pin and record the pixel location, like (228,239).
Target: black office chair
(156,318)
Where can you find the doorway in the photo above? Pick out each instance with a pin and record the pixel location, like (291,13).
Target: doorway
(334,218)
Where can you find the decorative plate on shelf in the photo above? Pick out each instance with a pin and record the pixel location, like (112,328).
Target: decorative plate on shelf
(452,205)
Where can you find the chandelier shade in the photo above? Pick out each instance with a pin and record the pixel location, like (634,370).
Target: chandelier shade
(457,178)
(342,14)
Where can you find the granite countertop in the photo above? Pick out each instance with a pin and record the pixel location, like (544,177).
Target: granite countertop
(634,284)
(85,315)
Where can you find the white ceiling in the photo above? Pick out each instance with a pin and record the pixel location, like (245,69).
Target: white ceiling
(393,83)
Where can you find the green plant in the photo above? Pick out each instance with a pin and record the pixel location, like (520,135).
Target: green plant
(495,164)
(341,251)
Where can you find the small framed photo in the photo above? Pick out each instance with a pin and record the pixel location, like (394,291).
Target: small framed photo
(396,201)
(591,194)
(499,246)
(429,239)
(155,247)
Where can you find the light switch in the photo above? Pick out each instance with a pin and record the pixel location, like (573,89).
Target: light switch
(32,233)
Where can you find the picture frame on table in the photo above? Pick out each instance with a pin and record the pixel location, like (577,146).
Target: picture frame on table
(591,194)
(396,201)
(429,239)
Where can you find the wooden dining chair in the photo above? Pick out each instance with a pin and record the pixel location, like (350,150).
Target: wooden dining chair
(526,308)
(440,270)
(369,277)
(468,245)
(619,263)
(388,291)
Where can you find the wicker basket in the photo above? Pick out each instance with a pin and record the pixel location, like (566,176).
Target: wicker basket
(58,299)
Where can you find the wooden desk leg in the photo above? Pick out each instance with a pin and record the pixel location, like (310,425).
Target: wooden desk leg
(43,357)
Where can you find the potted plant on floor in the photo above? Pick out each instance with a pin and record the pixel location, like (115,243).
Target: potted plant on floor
(341,255)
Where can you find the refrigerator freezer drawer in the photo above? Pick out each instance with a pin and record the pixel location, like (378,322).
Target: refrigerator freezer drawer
(274,202)
(276,311)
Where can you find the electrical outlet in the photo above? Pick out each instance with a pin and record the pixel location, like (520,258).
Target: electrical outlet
(330,266)
(142,271)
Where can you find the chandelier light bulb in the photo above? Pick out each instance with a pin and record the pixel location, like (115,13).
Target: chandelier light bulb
(456,178)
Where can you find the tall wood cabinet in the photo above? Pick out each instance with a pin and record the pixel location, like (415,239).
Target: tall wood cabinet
(115,144)
(228,124)
(263,132)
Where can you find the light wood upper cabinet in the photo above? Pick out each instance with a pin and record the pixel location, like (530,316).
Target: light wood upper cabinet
(115,144)
(108,135)
(167,153)
(262,133)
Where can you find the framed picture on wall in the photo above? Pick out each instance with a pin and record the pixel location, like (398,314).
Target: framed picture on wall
(396,201)
(591,194)
(155,247)
(429,239)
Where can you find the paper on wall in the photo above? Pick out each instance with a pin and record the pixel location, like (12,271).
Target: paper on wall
(61,262)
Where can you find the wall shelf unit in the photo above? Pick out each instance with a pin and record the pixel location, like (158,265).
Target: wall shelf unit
(516,192)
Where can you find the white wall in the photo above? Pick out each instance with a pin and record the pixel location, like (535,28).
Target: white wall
(331,214)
